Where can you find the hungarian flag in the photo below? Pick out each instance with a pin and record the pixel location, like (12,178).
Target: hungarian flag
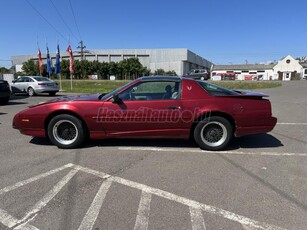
(57,60)
(71,60)
(40,61)
(49,70)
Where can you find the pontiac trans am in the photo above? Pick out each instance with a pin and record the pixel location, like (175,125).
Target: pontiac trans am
(151,107)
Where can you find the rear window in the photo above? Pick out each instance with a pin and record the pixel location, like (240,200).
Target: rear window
(216,90)
(41,79)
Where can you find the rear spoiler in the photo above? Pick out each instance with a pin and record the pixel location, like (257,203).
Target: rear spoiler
(248,93)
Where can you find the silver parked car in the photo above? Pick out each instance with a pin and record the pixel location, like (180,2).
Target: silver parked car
(33,85)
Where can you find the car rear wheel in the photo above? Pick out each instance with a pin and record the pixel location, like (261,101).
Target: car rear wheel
(213,133)
(31,91)
(66,131)
(4,101)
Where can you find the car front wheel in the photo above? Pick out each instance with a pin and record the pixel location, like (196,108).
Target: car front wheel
(66,131)
(213,133)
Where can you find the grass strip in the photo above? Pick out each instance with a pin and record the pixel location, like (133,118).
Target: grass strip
(104,86)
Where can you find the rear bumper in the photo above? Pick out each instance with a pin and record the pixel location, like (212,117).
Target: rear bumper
(46,90)
(268,126)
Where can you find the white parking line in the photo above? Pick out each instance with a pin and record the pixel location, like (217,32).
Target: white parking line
(196,208)
(32,179)
(248,228)
(142,218)
(284,123)
(244,221)
(48,197)
(10,221)
(185,150)
(92,213)
(197,219)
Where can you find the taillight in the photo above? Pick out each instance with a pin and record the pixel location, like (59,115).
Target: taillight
(42,84)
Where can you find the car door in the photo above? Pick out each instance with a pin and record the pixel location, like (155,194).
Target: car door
(19,85)
(145,110)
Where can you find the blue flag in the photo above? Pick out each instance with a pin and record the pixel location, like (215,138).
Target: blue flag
(57,60)
(49,70)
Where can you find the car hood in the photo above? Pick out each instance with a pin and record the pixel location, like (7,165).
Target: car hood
(83,97)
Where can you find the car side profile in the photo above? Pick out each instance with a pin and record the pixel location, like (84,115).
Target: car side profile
(198,74)
(151,107)
(33,85)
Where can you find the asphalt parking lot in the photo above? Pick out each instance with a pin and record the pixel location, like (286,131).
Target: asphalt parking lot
(260,182)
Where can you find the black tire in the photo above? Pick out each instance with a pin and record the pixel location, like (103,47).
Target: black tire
(4,101)
(30,92)
(52,94)
(213,133)
(66,131)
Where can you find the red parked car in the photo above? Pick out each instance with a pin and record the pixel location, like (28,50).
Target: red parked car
(151,107)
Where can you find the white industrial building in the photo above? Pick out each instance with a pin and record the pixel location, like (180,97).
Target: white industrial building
(179,60)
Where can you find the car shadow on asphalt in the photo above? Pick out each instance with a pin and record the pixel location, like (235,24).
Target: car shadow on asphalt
(251,142)
(41,141)
(255,141)
(144,143)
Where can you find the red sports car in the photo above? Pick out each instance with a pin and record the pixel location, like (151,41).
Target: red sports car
(151,107)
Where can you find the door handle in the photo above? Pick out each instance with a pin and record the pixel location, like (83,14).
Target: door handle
(173,107)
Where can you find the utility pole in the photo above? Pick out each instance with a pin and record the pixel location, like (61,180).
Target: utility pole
(81,47)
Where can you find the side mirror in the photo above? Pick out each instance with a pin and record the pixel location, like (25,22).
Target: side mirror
(13,81)
(116,99)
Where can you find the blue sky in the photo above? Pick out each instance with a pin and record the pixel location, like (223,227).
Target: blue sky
(222,31)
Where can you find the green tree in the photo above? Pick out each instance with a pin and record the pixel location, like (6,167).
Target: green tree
(113,68)
(159,72)
(4,70)
(171,73)
(135,67)
(77,69)
(64,67)
(103,70)
(146,71)
(30,68)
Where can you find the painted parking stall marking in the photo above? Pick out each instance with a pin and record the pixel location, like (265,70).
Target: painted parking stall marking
(189,150)
(196,209)
(284,123)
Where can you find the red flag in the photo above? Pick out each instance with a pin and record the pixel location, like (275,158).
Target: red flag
(40,62)
(71,60)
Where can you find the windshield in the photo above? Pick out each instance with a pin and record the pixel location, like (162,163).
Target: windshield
(216,90)
(115,91)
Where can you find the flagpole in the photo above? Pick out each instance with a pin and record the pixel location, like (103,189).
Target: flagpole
(60,77)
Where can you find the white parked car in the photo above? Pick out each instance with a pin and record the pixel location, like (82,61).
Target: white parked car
(33,85)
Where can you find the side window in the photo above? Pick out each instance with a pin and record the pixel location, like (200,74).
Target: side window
(156,90)
(21,79)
